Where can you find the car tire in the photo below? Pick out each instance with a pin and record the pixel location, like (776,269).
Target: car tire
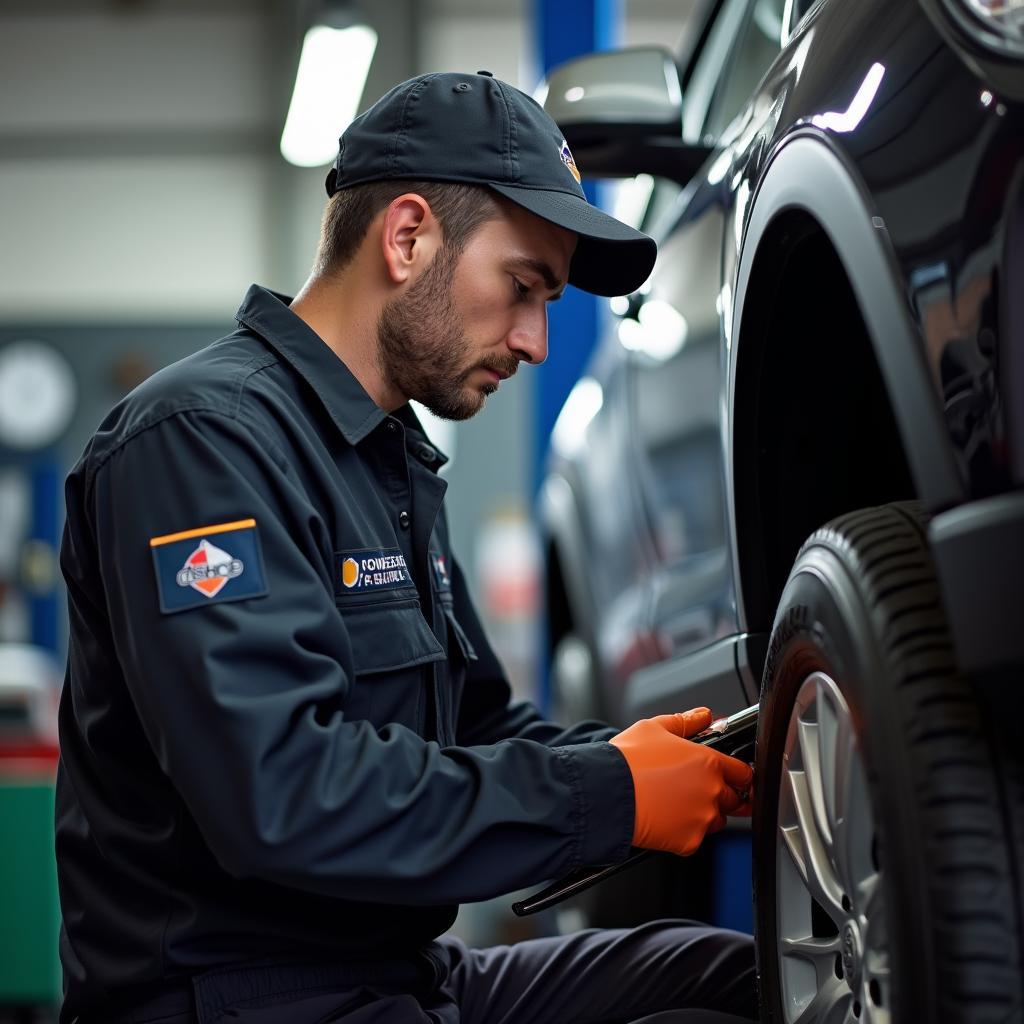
(884,871)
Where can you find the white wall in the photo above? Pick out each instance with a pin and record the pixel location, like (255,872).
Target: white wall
(133,166)
(139,172)
(130,239)
(458,38)
(104,71)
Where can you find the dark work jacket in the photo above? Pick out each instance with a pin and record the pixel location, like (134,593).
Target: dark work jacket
(284,735)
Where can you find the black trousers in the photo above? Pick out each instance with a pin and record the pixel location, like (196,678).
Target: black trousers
(662,972)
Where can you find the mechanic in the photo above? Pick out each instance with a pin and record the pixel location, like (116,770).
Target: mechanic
(287,750)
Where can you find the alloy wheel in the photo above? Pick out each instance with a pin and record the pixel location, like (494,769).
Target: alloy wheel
(831,928)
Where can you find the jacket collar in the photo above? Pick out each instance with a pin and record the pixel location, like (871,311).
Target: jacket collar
(267,313)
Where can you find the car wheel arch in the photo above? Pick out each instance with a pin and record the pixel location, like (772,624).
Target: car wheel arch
(809,189)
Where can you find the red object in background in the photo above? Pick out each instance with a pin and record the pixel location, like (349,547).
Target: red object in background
(28,759)
(29,698)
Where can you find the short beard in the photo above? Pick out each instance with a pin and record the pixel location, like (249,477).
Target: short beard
(421,347)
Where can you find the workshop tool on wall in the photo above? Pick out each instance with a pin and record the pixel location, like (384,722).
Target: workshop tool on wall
(734,736)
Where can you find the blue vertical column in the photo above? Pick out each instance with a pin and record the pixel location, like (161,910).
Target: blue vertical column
(565,29)
(44,475)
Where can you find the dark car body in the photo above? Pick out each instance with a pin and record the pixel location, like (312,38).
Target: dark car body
(835,321)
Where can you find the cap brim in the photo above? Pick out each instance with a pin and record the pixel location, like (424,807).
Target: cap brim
(611,258)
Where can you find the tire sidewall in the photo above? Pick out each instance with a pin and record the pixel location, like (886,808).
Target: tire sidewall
(825,625)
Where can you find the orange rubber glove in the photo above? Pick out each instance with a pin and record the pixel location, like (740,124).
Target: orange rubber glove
(683,790)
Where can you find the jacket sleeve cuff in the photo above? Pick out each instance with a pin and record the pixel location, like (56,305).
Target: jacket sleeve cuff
(604,802)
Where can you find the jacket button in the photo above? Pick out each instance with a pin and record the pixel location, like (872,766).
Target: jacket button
(404,520)
(427,454)
(392,426)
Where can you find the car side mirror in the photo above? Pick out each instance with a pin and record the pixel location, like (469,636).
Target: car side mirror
(622,114)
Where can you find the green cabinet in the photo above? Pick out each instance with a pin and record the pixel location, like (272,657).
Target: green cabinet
(29,909)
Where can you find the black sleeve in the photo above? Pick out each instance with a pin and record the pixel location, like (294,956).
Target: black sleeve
(488,714)
(243,702)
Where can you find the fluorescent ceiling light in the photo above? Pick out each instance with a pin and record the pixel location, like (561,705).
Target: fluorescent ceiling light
(329,84)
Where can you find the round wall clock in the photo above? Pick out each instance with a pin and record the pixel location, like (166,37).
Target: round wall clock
(37,395)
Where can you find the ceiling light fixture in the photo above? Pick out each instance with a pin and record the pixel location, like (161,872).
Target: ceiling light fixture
(335,61)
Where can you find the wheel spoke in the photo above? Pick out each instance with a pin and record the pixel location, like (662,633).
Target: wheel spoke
(830,1005)
(870,897)
(810,853)
(876,970)
(821,953)
(850,808)
(828,725)
(876,1014)
(810,740)
(812,948)
(840,759)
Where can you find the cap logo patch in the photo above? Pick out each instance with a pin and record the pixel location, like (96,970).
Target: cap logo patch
(192,570)
(566,154)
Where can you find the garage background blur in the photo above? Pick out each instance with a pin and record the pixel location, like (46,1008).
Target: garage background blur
(142,189)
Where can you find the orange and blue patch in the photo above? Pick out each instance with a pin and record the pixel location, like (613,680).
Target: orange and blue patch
(193,570)
(370,569)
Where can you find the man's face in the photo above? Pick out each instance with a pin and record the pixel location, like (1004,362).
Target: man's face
(471,318)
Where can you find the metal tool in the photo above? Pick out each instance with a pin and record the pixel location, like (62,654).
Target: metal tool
(734,736)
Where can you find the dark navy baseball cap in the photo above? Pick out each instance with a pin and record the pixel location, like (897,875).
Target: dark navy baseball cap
(478,130)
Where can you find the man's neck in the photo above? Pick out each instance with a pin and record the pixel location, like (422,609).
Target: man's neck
(343,314)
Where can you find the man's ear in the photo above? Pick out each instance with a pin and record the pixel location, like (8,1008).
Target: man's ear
(410,236)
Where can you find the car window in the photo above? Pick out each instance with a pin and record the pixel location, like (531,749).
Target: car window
(708,67)
(758,46)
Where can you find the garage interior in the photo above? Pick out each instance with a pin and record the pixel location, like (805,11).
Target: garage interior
(144,185)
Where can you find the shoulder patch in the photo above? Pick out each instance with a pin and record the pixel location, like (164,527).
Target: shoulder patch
(211,563)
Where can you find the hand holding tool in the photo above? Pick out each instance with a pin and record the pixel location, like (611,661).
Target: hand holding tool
(683,790)
(733,736)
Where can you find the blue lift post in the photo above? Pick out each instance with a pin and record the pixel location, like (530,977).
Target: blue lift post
(45,476)
(564,29)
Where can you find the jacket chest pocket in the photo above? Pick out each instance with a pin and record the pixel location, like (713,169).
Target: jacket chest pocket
(392,651)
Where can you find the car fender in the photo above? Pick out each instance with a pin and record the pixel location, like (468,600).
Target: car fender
(807,172)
